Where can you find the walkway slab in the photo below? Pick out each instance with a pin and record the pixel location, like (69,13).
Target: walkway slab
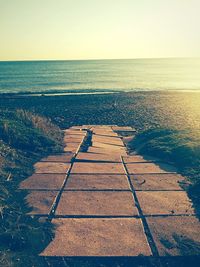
(43,182)
(88,167)
(100,150)
(81,127)
(51,167)
(96,203)
(64,157)
(137,168)
(176,236)
(70,149)
(72,145)
(107,146)
(98,237)
(165,202)
(104,133)
(156,181)
(97,181)
(134,159)
(73,139)
(41,201)
(98,157)
(74,132)
(96,213)
(108,140)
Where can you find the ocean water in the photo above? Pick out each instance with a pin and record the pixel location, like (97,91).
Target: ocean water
(99,75)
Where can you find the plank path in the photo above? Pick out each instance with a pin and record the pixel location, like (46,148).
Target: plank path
(104,202)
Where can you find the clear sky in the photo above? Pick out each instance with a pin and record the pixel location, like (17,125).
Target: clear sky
(98,29)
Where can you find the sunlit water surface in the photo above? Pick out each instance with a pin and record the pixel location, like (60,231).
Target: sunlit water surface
(100,75)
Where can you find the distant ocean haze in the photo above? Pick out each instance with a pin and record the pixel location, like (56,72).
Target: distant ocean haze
(99,75)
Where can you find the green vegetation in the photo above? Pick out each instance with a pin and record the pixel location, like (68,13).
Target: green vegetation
(181,147)
(24,139)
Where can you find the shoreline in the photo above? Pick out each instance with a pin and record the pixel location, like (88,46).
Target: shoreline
(92,92)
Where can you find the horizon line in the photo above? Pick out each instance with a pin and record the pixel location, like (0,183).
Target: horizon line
(98,59)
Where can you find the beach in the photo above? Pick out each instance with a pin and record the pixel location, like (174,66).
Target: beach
(143,110)
(165,122)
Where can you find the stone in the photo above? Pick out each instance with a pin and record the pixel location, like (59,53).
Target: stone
(141,168)
(73,150)
(135,159)
(98,237)
(97,181)
(51,167)
(64,157)
(176,236)
(43,181)
(90,167)
(40,202)
(156,181)
(100,150)
(98,203)
(165,203)
(108,146)
(69,139)
(74,132)
(83,127)
(104,133)
(108,140)
(98,157)
(72,147)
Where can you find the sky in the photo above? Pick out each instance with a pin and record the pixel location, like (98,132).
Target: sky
(98,29)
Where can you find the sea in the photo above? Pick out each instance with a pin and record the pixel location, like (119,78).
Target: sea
(99,76)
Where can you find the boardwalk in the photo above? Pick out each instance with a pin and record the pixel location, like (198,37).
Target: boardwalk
(104,202)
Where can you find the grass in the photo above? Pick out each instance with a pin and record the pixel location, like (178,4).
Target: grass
(180,147)
(24,139)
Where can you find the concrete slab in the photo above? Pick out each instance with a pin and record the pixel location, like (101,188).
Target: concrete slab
(176,236)
(74,132)
(82,127)
(51,167)
(134,159)
(40,201)
(72,147)
(108,146)
(165,202)
(98,237)
(70,139)
(43,181)
(100,150)
(96,203)
(98,157)
(107,140)
(102,129)
(88,167)
(107,126)
(64,157)
(157,181)
(139,168)
(97,181)
(68,149)
(104,133)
